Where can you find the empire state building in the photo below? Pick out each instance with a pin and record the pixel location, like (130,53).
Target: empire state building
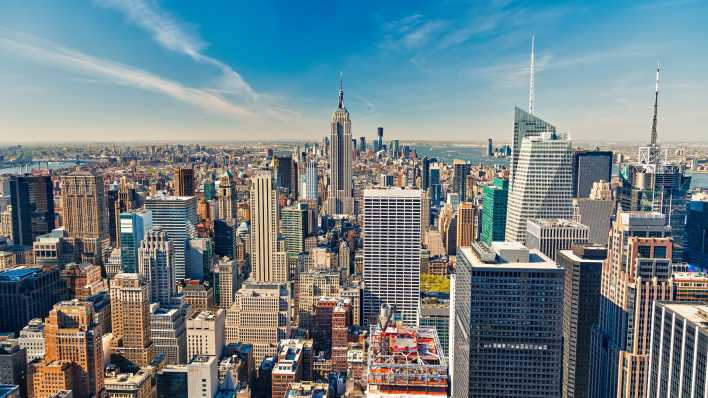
(339,199)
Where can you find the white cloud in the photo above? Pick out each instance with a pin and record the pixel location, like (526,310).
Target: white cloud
(53,54)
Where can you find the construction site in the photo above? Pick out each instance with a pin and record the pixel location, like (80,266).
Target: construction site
(404,361)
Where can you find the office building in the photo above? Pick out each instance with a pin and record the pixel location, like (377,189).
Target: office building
(198,294)
(285,175)
(156,265)
(134,225)
(229,281)
(362,144)
(83,280)
(494,203)
(421,372)
(292,358)
(13,365)
(525,125)
(588,168)
(32,207)
(294,227)
(177,215)
(677,358)
(226,198)
(461,169)
(169,333)
(549,235)
(184,181)
(172,381)
(507,317)
(311,181)
(697,233)
(31,338)
(130,319)
(596,212)
(74,353)
(392,244)
(490,148)
(260,317)
(636,273)
(309,286)
(26,293)
(225,237)
(205,333)
(203,377)
(466,224)
(435,313)
(264,227)
(200,258)
(339,198)
(129,385)
(582,267)
(542,183)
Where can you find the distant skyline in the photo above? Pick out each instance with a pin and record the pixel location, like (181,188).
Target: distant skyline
(157,70)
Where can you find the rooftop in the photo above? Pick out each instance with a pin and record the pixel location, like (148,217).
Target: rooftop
(508,255)
(18,273)
(693,312)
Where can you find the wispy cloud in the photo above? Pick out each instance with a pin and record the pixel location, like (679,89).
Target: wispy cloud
(668,3)
(174,35)
(411,32)
(54,54)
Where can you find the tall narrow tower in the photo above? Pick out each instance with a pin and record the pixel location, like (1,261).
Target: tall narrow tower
(340,199)
(264,227)
(532,71)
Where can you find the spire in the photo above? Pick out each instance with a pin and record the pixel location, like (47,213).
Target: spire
(656,107)
(341,90)
(531,74)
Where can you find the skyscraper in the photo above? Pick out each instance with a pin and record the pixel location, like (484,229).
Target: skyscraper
(130,319)
(635,274)
(362,144)
(205,333)
(264,227)
(184,181)
(168,333)
(466,224)
(85,214)
(285,176)
(294,227)
(507,322)
(311,180)
(525,125)
(32,200)
(177,215)
(340,200)
(461,170)
(226,197)
(596,212)
(549,235)
(27,293)
(490,148)
(582,267)
(133,227)
(392,244)
(156,265)
(697,233)
(229,283)
(588,168)
(542,183)
(494,205)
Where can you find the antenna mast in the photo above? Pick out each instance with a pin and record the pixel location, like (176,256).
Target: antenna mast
(531,75)
(656,107)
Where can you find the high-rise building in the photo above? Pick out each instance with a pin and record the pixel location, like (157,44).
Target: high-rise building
(362,144)
(542,183)
(549,235)
(490,148)
(392,244)
(229,281)
(436,191)
(292,359)
(697,233)
(466,224)
(311,181)
(130,319)
(435,313)
(339,199)
(203,376)
(134,225)
(294,227)
(129,385)
(74,353)
(27,293)
(168,333)
(581,308)
(461,169)
(309,286)
(588,168)
(264,227)
(635,274)
(677,359)
(84,212)
(379,139)
(494,204)
(525,125)
(13,365)
(596,212)
(285,175)
(425,172)
(177,215)
(156,265)
(32,201)
(31,338)
(173,382)
(259,316)
(226,198)
(184,181)
(205,333)
(507,317)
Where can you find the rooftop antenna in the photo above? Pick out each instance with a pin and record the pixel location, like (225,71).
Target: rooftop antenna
(341,90)
(656,107)
(531,74)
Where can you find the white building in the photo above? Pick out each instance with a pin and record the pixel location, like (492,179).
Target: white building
(205,334)
(156,265)
(264,227)
(32,339)
(542,185)
(392,244)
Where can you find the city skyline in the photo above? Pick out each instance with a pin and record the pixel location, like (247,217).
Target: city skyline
(114,70)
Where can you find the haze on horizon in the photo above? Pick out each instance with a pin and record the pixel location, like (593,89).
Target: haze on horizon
(122,70)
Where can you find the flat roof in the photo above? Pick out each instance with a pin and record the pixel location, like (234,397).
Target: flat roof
(537,260)
(18,273)
(693,312)
(393,192)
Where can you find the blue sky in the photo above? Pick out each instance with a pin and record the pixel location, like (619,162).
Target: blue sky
(106,70)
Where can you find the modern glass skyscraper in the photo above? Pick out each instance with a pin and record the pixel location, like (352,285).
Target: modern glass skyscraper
(392,252)
(494,202)
(542,186)
(340,200)
(177,215)
(525,125)
(461,169)
(133,227)
(311,180)
(32,200)
(588,168)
